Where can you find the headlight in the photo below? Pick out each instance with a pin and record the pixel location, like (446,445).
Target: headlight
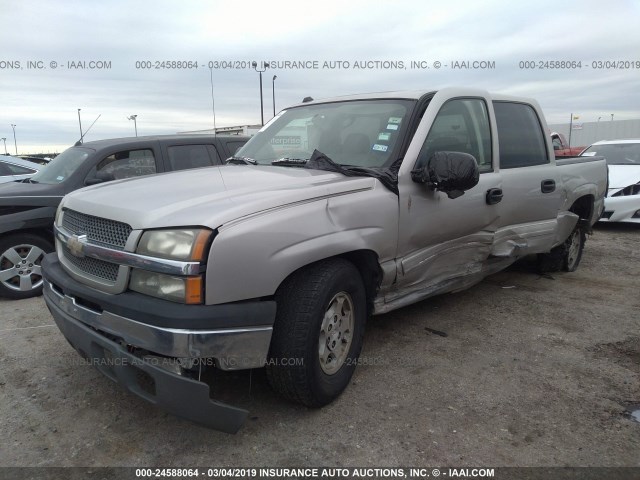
(176,289)
(185,244)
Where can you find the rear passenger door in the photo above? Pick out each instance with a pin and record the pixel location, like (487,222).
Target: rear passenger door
(530,181)
(184,157)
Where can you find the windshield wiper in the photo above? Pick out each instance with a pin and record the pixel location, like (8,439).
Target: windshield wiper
(240,161)
(290,162)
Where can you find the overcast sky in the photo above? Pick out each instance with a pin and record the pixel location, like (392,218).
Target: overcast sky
(42,101)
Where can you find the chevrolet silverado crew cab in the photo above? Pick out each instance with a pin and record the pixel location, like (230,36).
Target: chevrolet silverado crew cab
(336,210)
(27,207)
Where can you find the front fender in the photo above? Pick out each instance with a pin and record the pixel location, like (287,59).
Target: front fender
(251,257)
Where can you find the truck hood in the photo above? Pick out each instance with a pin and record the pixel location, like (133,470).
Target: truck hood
(30,194)
(210,196)
(621,176)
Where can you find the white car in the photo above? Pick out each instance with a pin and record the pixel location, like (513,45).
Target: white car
(623,197)
(14,168)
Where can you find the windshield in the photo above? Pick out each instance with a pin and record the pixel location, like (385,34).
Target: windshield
(354,133)
(62,167)
(616,154)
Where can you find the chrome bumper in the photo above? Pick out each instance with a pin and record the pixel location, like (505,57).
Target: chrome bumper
(232,349)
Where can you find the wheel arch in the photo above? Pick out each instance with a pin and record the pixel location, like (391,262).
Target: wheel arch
(46,233)
(367,264)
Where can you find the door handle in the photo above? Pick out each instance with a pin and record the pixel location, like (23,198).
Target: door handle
(494,195)
(548,186)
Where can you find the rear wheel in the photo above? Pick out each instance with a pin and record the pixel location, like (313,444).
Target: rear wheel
(20,270)
(565,257)
(318,332)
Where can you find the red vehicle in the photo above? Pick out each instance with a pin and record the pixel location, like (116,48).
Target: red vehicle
(561,147)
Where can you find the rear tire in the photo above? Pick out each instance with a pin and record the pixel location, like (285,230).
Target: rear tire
(20,270)
(318,332)
(565,257)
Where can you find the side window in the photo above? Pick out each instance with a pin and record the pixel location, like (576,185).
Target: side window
(557,144)
(462,125)
(183,157)
(520,136)
(17,170)
(127,164)
(4,169)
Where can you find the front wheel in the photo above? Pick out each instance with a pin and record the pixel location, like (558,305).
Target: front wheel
(566,256)
(20,271)
(318,332)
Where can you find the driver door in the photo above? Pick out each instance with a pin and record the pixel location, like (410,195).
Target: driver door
(443,239)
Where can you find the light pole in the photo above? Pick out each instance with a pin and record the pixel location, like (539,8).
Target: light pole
(4,139)
(80,123)
(135,123)
(612,117)
(14,137)
(265,65)
(599,118)
(273,91)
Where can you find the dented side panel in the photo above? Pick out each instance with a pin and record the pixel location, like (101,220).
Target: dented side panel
(250,258)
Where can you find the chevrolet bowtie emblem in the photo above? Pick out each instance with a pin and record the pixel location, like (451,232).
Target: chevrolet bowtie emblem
(75,244)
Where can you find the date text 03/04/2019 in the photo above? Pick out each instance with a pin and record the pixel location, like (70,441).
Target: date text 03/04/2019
(579,65)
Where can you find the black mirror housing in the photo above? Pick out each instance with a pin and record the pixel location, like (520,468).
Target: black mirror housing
(450,172)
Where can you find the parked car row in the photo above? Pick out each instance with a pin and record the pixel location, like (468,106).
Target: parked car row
(28,207)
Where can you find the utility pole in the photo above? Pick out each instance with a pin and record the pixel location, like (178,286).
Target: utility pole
(16,143)
(273,91)
(135,124)
(265,65)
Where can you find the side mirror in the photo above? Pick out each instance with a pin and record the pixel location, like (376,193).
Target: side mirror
(449,172)
(100,177)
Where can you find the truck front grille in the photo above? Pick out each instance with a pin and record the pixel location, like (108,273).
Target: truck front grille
(100,231)
(92,266)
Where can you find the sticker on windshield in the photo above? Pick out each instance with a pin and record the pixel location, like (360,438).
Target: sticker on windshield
(395,120)
(59,178)
(392,127)
(385,137)
(380,148)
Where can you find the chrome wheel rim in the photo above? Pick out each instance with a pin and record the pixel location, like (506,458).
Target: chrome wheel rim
(574,249)
(20,268)
(336,333)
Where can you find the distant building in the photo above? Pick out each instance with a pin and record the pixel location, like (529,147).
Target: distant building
(237,130)
(586,133)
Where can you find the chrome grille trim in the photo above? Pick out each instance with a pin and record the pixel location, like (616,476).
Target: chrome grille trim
(92,266)
(100,231)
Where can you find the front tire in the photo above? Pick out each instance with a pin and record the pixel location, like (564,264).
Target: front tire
(20,270)
(318,332)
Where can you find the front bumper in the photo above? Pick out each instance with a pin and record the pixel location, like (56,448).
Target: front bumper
(107,341)
(621,209)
